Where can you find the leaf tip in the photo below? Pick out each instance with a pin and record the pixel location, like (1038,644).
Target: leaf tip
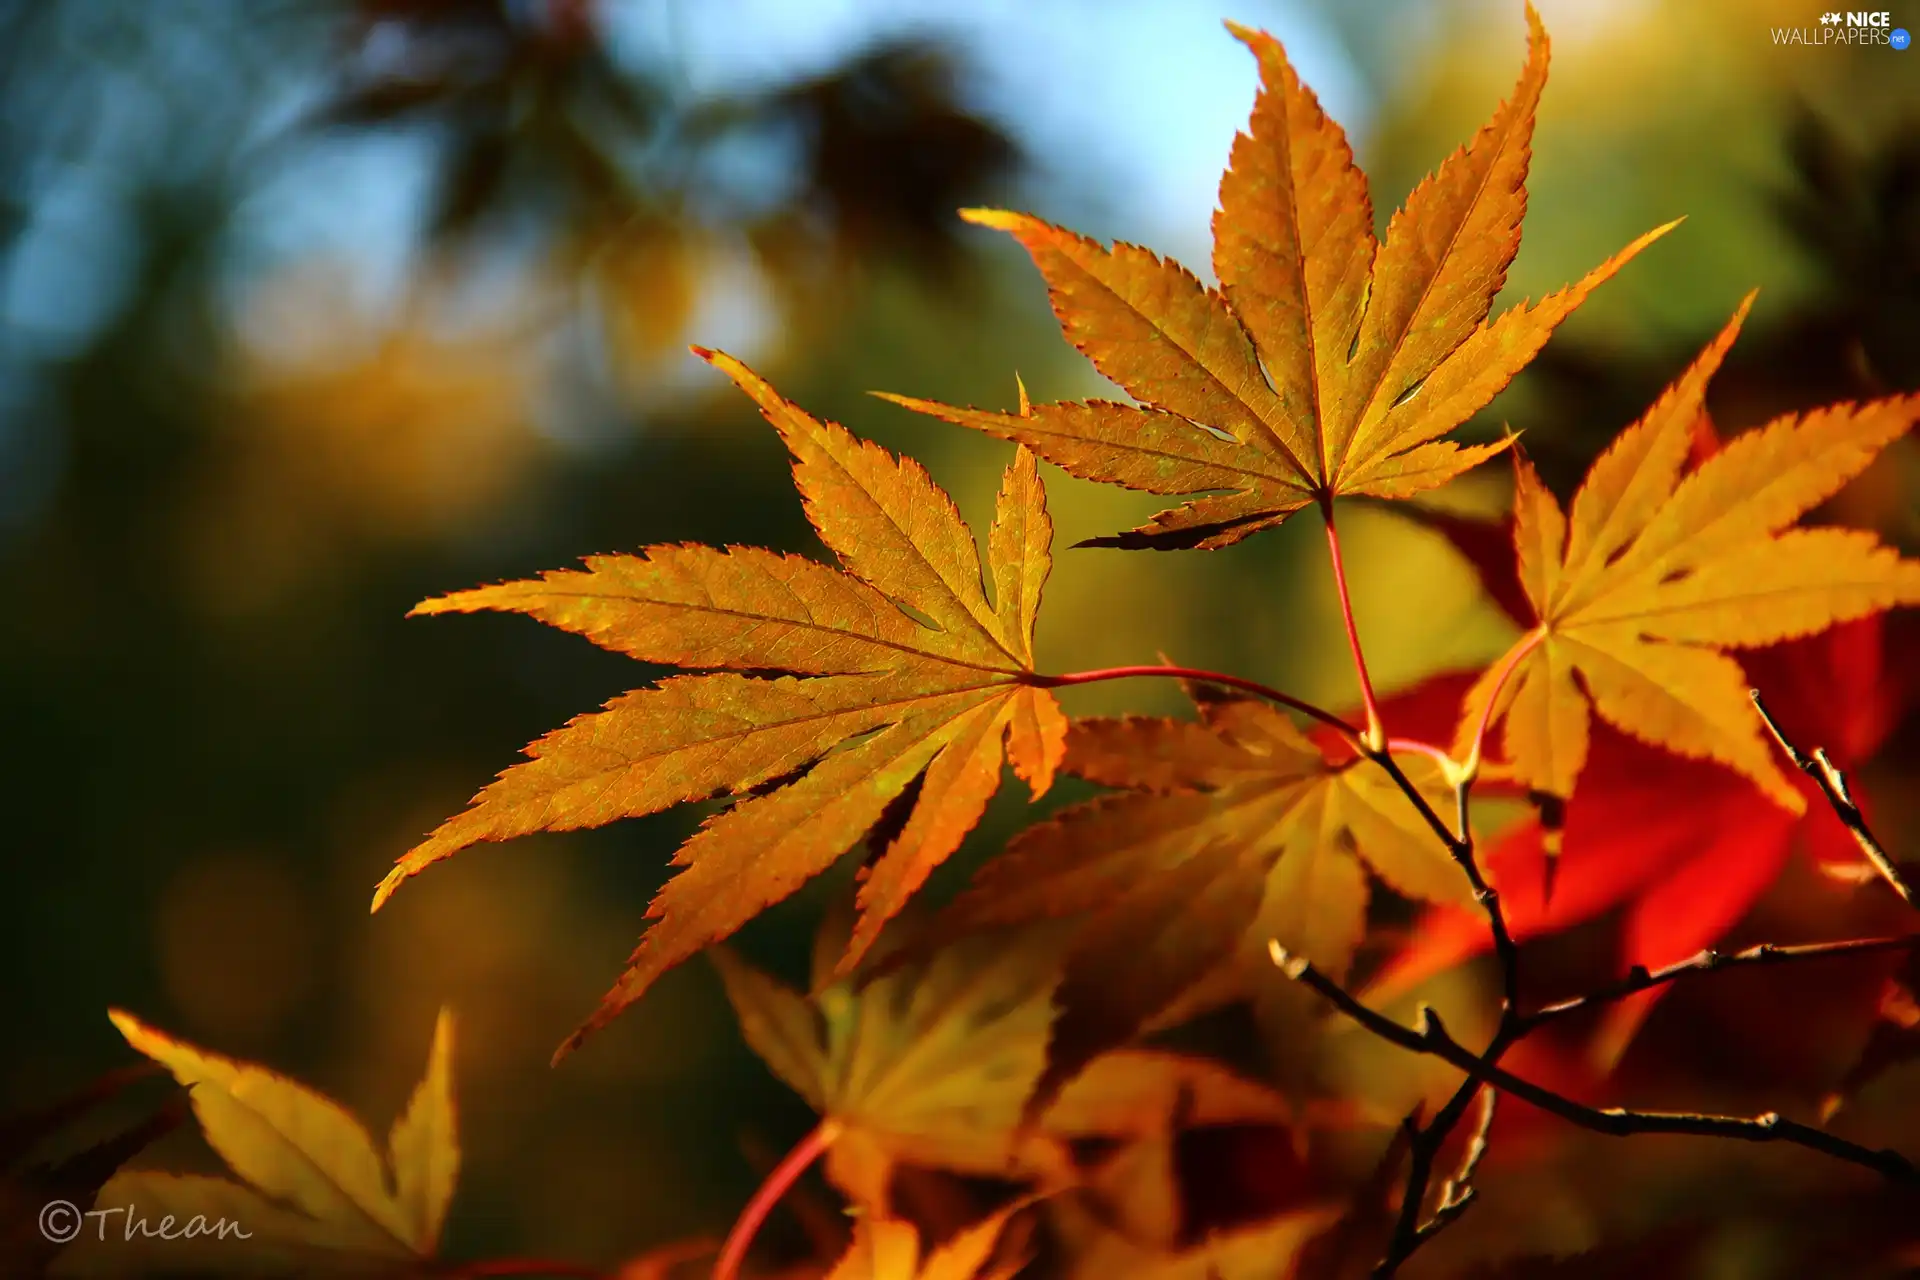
(1293,966)
(385,888)
(1252,37)
(432,605)
(1536,29)
(443,1032)
(576,1038)
(729,365)
(998,219)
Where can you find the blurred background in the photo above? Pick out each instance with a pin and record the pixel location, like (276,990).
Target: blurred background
(310,309)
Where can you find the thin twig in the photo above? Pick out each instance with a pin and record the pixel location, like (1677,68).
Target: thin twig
(1460,846)
(1431,1037)
(1639,978)
(1460,1184)
(1406,1226)
(1458,1192)
(1833,784)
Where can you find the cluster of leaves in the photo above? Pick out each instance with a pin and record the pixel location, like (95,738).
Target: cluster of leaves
(879,702)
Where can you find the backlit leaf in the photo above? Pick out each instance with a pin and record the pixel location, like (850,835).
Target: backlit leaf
(1655,568)
(1327,363)
(312,1190)
(1229,831)
(933,1062)
(876,698)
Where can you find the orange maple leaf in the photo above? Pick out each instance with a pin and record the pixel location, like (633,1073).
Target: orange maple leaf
(1327,363)
(1650,572)
(1226,833)
(879,699)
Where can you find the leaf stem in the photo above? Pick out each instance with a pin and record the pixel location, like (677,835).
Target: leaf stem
(1376,733)
(1418,747)
(1327,718)
(1528,642)
(776,1185)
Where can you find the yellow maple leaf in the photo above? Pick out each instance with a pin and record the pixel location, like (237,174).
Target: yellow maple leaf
(312,1190)
(879,699)
(1655,569)
(1326,363)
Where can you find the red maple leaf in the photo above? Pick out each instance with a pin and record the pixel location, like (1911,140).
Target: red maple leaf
(1684,848)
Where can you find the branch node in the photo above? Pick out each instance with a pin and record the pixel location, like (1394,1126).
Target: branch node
(1293,966)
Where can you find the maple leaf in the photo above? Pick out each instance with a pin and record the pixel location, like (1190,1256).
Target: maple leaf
(876,700)
(313,1189)
(1231,830)
(1649,573)
(932,1063)
(1684,847)
(1327,363)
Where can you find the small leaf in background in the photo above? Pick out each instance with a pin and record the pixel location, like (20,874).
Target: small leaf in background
(933,1062)
(312,1189)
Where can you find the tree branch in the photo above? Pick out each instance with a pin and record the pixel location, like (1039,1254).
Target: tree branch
(1460,847)
(1833,784)
(1639,978)
(1431,1037)
(1458,1192)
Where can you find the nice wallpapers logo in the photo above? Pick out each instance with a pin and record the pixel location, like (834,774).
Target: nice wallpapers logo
(1843,29)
